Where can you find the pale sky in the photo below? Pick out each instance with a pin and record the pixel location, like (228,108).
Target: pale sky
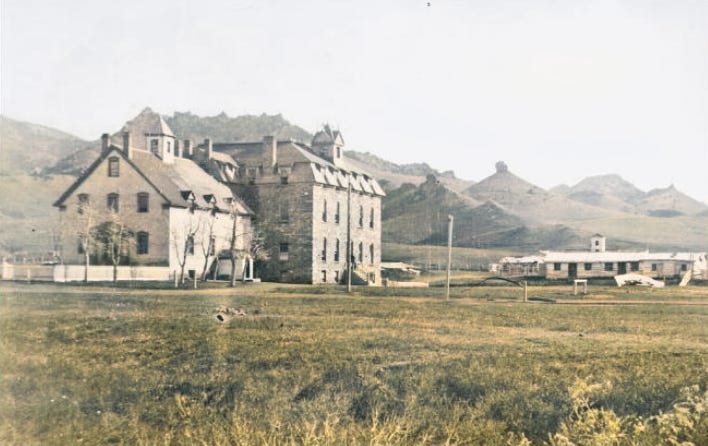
(559,90)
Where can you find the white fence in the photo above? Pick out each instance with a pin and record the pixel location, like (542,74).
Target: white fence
(76,273)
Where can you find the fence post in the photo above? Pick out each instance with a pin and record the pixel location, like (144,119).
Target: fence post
(526,291)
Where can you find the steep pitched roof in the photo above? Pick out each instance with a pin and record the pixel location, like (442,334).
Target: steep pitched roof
(177,183)
(147,122)
(324,172)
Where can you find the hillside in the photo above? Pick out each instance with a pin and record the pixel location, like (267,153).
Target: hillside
(502,210)
(532,203)
(29,148)
(418,215)
(613,192)
(227,129)
(669,202)
(392,175)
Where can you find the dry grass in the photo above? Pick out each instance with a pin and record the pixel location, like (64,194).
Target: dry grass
(312,365)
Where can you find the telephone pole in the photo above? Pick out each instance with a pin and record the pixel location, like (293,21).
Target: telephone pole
(349,234)
(450,219)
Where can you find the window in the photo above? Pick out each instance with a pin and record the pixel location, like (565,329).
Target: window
(371,277)
(190,245)
(154,148)
(169,147)
(142,242)
(634,266)
(684,267)
(654,267)
(588,266)
(113,167)
(113,202)
(324,249)
(556,267)
(83,202)
(284,213)
(371,253)
(339,152)
(609,266)
(336,251)
(361,216)
(143,202)
(80,246)
(597,243)
(336,277)
(371,218)
(284,252)
(336,214)
(324,211)
(324,276)
(361,252)
(284,179)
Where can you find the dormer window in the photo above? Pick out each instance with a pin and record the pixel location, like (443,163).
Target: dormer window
(154,146)
(113,166)
(169,147)
(339,152)
(209,198)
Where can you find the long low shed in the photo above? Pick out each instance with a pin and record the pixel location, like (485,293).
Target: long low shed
(559,265)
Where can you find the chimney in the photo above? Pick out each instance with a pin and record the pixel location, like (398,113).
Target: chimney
(208,149)
(178,149)
(126,145)
(270,151)
(187,150)
(104,142)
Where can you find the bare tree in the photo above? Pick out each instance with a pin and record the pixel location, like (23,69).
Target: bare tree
(207,242)
(114,238)
(186,245)
(86,234)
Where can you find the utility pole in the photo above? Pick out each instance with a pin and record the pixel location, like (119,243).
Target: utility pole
(450,219)
(349,234)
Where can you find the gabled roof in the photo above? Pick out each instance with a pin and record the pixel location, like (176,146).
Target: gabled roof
(147,122)
(181,184)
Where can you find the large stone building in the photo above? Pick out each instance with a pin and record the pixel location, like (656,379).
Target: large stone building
(316,213)
(180,217)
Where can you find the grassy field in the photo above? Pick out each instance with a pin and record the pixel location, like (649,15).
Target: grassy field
(435,257)
(314,365)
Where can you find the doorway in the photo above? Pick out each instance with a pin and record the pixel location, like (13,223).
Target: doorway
(573,270)
(622,268)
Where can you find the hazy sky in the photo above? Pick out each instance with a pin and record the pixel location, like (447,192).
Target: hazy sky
(560,90)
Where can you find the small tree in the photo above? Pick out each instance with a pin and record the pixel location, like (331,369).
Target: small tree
(190,229)
(86,235)
(208,241)
(114,239)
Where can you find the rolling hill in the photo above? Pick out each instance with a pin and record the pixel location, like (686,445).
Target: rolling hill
(500,211)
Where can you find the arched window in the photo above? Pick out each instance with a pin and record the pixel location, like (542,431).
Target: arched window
(361,216)
(361,252)
(371,218)
(324,249)
(371,253)
(324,211)
(336,251)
